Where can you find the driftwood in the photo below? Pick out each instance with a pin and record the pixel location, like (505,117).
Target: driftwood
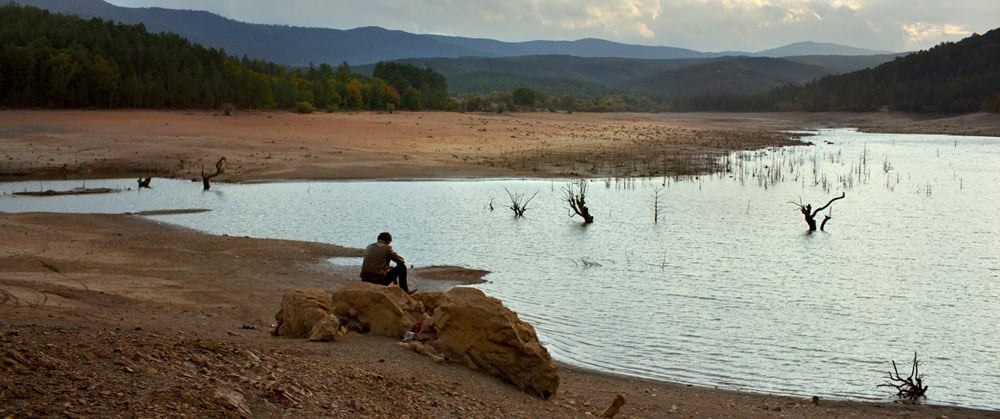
(910,389)
(206,180)
(74,191)
(810,214)
(576,196)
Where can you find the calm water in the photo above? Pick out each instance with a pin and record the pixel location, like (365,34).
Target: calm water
(726,289)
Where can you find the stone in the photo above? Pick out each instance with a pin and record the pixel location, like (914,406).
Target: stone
(305,313)
(615,406)
(381,310)
(430,300)
(326,330)
(481,333)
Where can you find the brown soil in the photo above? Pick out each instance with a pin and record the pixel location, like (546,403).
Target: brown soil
(116,315)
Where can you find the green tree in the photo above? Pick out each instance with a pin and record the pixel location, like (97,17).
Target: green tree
(524,97)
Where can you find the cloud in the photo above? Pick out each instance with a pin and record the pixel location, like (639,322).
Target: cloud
(569,18)
(922,33)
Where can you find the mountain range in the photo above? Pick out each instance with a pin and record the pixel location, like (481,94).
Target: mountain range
(299,46)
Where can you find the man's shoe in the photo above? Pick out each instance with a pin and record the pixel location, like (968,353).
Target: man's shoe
(411,292)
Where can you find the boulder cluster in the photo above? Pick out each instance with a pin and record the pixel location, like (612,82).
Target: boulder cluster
(462,325)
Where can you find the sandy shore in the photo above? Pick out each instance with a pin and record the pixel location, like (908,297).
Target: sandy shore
(274,146)
(118,315)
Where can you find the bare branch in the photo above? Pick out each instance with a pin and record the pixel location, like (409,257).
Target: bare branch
(842,194)
(911,388)
(517,202)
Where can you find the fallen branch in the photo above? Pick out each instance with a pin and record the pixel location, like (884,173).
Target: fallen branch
(910,389)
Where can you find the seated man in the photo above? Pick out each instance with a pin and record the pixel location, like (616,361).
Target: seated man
(375,267)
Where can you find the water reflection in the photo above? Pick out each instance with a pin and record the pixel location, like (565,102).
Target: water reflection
(714,283)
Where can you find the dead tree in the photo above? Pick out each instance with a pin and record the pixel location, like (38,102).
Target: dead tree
(656,206)
(206,180)
(517,202)
(810,214)
(577,196)
(910,389)
(144,182)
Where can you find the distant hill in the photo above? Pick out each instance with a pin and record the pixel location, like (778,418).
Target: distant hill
(732,75)
(559,74)
(299,46)
(815,48)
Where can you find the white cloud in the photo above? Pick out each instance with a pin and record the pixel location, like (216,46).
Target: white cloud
(922,33)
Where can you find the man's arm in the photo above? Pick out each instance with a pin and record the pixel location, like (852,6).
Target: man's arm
(395,257)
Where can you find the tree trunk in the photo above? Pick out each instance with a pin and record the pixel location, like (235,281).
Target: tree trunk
(206,180)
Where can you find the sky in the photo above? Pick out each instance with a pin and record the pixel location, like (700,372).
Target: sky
(703,25)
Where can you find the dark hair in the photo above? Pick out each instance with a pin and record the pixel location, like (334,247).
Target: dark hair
(385,236)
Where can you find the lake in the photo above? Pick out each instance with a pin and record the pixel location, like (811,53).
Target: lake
(721,285)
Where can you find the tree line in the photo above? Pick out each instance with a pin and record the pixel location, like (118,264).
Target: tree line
(53,61)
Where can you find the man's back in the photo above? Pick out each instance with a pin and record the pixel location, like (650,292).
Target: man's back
(377,257)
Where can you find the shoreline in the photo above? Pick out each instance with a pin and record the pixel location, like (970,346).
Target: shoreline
(144,279)
(100,306)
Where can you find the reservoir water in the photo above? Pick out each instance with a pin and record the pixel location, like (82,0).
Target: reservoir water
(723,287)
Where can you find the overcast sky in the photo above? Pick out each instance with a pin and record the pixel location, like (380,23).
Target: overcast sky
(704,25)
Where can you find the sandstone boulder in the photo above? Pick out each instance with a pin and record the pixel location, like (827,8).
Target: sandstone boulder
(430,300)
(382,310)
(305,313)
(480,332)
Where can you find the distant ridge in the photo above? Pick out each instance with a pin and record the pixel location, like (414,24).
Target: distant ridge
(813,48)
(298,46)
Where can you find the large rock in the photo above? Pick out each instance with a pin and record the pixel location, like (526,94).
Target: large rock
(382,310)
(430,300)
(478,331)
(305,313)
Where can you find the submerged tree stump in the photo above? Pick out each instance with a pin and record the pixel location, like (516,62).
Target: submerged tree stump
(810,214)
(206,180)
(577,198)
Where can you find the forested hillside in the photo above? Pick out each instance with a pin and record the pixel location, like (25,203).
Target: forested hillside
(51,60)
(951,77)
(595,77)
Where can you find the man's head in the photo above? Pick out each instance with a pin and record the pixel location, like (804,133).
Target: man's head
(385,237)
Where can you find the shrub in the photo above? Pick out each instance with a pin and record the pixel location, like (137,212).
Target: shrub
(304,107)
